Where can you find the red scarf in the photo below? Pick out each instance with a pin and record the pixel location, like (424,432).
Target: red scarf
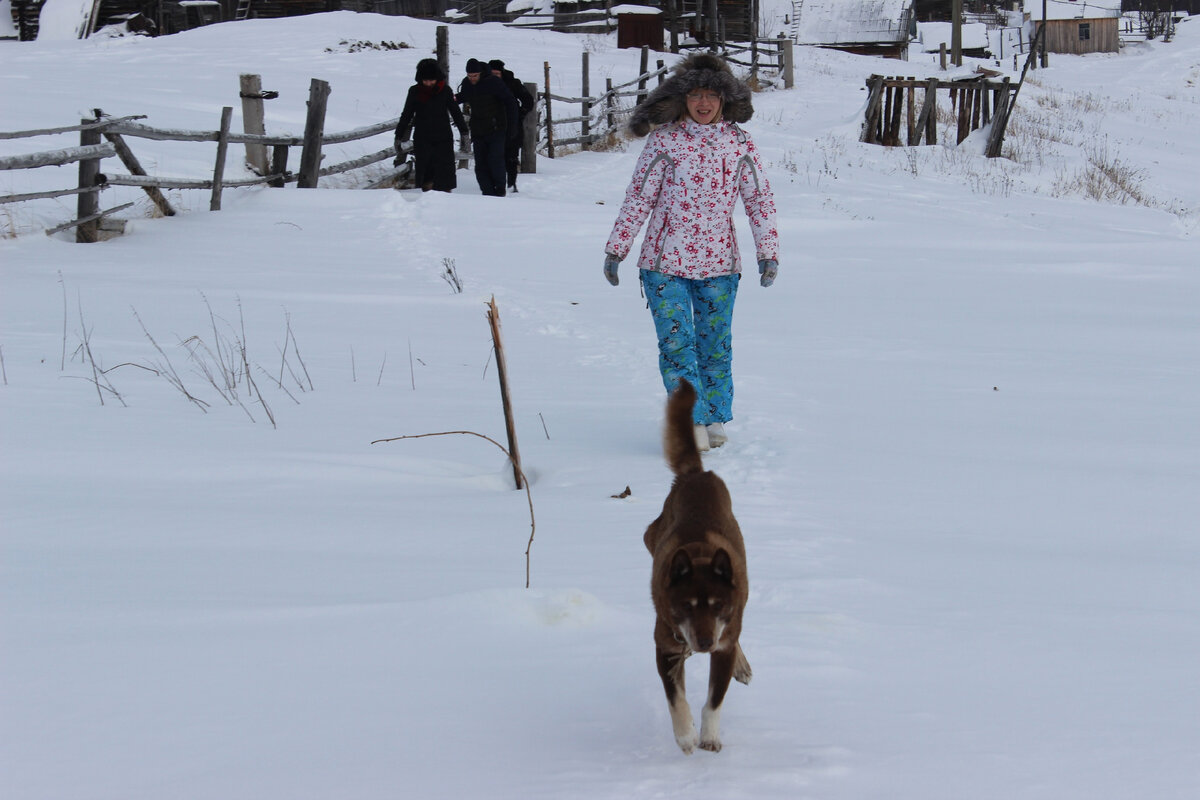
(424,93)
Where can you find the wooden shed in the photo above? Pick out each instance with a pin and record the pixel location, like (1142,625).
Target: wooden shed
(865,27)
(639,26)
(1078,26)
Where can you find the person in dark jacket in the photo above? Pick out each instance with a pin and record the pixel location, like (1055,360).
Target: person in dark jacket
(427,114)
(525,103)
(493,122)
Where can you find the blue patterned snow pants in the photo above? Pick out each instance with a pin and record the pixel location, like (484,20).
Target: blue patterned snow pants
(693,320)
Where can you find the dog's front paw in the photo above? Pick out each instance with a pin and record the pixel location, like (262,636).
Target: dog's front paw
(687,742)
(712,745)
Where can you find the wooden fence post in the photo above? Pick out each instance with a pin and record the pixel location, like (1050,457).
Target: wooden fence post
(642,70)
(585,126)
(549,114)
(279,159)
(89,201)
(529,148)
(219,169)
(443,49)
(253,121)
(314,130)
(662,76)
(610,103)
(789,75)
(510,425)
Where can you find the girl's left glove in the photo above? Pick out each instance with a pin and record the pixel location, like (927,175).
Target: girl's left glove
(768,269)
(611,263)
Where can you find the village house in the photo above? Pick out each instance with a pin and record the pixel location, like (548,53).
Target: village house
(1078,26)
(866,27)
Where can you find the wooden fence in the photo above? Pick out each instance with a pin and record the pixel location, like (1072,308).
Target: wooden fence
(601,115)
(116,131)
(977,103)
(267,156)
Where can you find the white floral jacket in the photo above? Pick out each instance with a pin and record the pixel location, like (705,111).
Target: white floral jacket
(687,181)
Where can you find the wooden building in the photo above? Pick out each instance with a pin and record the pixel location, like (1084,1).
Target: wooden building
(866,27)
(1078,26)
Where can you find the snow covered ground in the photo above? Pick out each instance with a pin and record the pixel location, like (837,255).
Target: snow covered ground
(965,452)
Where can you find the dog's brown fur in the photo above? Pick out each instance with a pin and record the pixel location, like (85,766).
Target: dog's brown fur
(698,582)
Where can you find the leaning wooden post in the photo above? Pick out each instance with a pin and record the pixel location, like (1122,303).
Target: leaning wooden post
(253,122)
(88,203)
(314,131)
(135,168)
(529,148)
(927,121)
(874,101)
(493,315)
(585,126)
(999,122)
(549,115)
(222,148)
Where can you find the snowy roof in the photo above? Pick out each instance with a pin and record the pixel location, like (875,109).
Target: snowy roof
(853,21)
(1074,9)
(932,34)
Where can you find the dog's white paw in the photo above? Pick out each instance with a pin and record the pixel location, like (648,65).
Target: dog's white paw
(712,745)
(687,743)
(710,725)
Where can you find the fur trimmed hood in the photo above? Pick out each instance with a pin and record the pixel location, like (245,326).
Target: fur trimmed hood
(668,102)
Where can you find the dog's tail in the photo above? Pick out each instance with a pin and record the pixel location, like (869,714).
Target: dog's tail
(679,437)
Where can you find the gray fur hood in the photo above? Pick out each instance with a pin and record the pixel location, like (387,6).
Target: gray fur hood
(668,102)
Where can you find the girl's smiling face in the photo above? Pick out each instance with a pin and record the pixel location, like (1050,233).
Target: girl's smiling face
(704,106)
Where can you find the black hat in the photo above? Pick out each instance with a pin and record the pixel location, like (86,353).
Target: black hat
(428,70)
(474,65)
(496,64)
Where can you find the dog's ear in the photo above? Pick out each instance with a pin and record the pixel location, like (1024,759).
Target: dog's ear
(722,567)
(681,566)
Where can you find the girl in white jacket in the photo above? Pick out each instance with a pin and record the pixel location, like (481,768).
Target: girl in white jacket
(693,168)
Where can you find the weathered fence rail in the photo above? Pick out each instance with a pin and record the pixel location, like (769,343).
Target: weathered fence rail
(106,137)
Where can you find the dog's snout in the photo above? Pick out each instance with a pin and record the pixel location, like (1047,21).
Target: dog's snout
(704,644)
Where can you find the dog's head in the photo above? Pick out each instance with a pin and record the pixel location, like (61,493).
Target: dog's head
(702,598)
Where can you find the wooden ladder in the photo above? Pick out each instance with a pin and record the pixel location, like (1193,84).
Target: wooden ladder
(243,9)
(797,5)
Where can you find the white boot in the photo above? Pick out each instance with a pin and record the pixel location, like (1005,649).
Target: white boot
(701,438)
(716,434)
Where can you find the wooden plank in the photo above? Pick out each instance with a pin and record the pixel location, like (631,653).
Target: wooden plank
(927,121)
(912,111)
(874,99)
(20,198)
(91,219)
(134,166)
(67,129)
(66,155)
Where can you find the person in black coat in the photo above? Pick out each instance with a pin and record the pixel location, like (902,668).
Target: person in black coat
(427,114)
(525,103)
(493,122)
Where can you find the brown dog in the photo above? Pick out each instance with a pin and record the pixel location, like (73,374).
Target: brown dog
(698,582)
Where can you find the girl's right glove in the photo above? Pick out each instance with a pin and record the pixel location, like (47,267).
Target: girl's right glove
(768,268)
(611,263)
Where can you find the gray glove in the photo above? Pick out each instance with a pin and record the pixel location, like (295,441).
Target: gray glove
(768,268)
(611,263)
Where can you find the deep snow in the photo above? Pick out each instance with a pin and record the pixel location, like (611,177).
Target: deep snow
(964,454)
